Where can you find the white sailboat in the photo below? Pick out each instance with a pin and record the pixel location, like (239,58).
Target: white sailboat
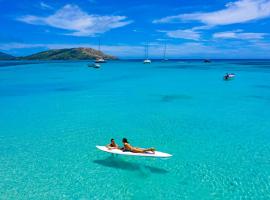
(100,59)
(147,60)
(164,53)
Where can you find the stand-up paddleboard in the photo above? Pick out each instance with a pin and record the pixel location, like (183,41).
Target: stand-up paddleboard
(157,154)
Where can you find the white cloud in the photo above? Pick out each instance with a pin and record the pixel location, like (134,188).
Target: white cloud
(187,34)
(45,6)
(262,45)
(238,35)
(235,12)
(78,22)
(15,45)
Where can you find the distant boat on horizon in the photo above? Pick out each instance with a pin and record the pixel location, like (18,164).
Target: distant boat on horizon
(147,60)
(207,61)
(164,53)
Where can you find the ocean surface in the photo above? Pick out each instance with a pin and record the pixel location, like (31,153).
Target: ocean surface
(52,115)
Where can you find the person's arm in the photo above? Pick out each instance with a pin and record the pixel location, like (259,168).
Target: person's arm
(109,146)
(115,147)
(124,147)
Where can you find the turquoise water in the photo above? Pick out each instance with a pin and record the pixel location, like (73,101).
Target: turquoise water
(53,114)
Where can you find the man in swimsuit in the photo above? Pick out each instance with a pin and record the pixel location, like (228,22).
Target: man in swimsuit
(112,145)
(128,147)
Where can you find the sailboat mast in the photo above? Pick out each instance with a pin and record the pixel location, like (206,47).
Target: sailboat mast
(147,50)
(99,44)
(164,53)
(146,61)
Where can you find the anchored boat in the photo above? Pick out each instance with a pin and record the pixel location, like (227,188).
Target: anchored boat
(147,60)
(227,76)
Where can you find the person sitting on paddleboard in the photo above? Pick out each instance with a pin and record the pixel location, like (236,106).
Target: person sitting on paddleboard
(112,145)
(128,147)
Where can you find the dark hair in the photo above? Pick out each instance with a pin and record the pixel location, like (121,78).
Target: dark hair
(112,139)
(125,140)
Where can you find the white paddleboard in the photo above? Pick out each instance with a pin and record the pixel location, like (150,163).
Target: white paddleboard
(157,154)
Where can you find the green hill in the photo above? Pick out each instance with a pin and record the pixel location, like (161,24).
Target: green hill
(4,56)
(69,54)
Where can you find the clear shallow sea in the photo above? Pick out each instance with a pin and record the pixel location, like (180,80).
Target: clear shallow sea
(53,114)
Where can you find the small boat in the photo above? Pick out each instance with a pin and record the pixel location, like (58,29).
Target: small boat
(229,76)
(94,65)
(207,61)
(147,60)
(100,60)
(164,53)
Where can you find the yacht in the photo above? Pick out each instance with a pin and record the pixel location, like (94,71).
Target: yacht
(147,60)
(99,59)
(164,53)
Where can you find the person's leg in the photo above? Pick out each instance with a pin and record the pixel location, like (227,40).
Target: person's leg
(149,149)
(138,150)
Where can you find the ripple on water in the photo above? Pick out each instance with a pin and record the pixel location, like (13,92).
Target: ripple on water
(173,97)
(259,97)
(117,163)
(262,86)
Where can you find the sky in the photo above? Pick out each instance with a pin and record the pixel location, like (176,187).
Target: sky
(190,29)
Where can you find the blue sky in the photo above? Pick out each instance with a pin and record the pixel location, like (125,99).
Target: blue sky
(191,29)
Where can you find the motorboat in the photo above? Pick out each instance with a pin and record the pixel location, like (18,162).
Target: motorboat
(229,76)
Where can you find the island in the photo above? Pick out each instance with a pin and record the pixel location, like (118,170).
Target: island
(4,56)
(80,53)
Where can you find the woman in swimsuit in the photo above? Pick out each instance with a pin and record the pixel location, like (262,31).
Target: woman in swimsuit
(128,147)
(112,145)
